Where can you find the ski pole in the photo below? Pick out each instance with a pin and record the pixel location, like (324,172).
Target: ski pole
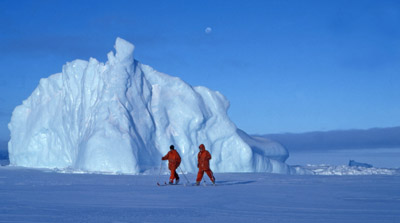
(159,175)
(184,175)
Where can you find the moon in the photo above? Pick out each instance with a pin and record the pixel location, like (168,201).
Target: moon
(208,30)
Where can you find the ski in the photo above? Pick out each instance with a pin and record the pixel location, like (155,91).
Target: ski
(160,185)
(204,184)
(167,184)
(185,184)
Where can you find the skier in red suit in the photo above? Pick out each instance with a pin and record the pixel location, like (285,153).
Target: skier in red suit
(174,160)
(204,165)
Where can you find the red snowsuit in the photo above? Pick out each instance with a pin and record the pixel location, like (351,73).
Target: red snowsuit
(174,160)
(204,164)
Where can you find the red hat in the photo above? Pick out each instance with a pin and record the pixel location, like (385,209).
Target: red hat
(202,146)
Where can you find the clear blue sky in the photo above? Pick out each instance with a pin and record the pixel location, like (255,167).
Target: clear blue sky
(285,66)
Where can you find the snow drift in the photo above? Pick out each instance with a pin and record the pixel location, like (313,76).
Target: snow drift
(121,116)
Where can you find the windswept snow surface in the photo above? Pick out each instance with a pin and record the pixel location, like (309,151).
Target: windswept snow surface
(121,116)
(28,195)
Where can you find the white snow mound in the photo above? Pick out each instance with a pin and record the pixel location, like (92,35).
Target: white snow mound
(121,116)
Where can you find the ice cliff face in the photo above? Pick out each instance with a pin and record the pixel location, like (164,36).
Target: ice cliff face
(122,116)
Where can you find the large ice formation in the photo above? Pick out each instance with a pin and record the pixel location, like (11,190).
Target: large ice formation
(122,116)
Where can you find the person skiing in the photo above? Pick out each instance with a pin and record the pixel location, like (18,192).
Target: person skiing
(204,165)
(174,160)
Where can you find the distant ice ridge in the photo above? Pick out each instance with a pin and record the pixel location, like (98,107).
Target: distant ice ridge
(323,169)
(121,116)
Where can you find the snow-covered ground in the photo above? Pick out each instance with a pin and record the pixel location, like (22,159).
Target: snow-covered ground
(29,195)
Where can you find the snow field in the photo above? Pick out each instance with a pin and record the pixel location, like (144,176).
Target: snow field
(41,196)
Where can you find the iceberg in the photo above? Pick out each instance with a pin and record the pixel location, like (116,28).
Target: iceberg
(354,163)
(121,117)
